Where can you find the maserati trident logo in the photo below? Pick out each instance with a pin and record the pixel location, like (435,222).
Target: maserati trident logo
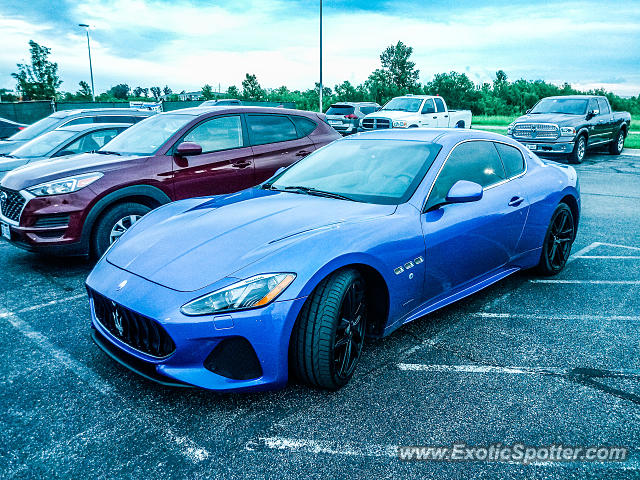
(117,319)
(121,285)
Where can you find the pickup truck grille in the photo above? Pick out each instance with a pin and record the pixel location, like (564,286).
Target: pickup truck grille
(536,131)
(375,123)
(11,204)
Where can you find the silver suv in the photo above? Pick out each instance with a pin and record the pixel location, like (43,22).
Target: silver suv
(345,116)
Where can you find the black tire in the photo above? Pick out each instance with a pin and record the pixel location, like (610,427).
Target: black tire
(325,332)
(579,150)
(557,241)
(615,147)
(101,238)
(460,124)
(413,126)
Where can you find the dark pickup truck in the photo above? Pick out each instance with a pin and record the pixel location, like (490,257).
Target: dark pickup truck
(569,125)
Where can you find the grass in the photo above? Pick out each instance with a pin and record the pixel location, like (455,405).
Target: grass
(635,122)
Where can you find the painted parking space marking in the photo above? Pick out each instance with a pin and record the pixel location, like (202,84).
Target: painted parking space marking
(609,257)
(535,316)
(418,367)
(4,314)
(587,282)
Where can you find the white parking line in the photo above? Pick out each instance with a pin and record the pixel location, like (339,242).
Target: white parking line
(593,282)
(534,316)
(4,314)
(610,257)
(582,251)
(417,367)
(323,446)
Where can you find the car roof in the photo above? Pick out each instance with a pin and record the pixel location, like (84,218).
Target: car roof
(113,111)
(82,127)
(354,104)
(204,109)
(431,135)
(577,97)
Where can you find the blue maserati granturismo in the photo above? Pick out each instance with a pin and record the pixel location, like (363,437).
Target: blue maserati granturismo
(239,292)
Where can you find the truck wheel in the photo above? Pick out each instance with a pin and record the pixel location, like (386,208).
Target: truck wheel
(113,223)
(460,124)
(615,147)
(579,149)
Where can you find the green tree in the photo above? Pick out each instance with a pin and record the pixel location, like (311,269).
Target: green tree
(38,81)
(120,91)
(251,89)
(84,92)
(166,90)
(156,92)
(207,92)
(233,92)
(456,88)
(137,92)
(7,95)
(401,71)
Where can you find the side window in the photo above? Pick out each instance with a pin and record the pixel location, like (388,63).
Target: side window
(367,110)
(428,106)
(218,133)
(80,121)
(439,105)
(270,129)
(604,107)
(89,142)
(593,105)
(303,125)
(512,159)
(473,161)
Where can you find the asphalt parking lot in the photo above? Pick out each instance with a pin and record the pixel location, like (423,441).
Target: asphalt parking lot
(531,360)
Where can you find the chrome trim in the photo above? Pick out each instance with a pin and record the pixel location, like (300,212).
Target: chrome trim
(27,198)
(497,184)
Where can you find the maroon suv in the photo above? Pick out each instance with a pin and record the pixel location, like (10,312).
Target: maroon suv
(81,204)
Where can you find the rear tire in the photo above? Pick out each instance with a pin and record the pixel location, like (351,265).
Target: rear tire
(557,242)
(113,223)
(579,150)
(327,338)
(460,124)
(616,147)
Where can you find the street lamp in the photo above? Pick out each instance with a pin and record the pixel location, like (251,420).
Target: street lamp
(320,100)
(93,92)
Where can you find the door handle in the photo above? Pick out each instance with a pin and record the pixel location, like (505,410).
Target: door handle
(302,153)
(241,164)
(446,116)
(515,201)
(435,116)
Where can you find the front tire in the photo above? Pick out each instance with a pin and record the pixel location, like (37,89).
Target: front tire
(615,147)
(327,339)
(579,150)
(113,223)
(557,242)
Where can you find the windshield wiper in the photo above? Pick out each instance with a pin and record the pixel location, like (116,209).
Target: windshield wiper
(316,192)
(107,152)
(7,155)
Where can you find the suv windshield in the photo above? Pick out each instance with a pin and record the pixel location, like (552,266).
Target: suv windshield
(43,144)
(32,131)
(340,110)
(571,106)
(372,171)
(147,136)
(404,104)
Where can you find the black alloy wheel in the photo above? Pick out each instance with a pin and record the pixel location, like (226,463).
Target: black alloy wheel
(558,241)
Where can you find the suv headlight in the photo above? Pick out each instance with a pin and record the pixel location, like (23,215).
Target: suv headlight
(253,292)
(510,127)
(64,185)
(399,124)
(567,131)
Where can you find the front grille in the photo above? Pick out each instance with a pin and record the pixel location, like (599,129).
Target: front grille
(376,123)
(536,131)
(52,221)
(139,332)
(11,204)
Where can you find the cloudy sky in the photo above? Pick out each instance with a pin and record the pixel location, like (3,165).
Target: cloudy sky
(187,43)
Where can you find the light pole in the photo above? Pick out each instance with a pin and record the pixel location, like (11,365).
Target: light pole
(320,100)
(93,91)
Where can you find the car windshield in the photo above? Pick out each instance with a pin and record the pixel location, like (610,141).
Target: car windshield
(147,136)
(371,171)
(570,106)
(32,131)
(404,104)
(40,146)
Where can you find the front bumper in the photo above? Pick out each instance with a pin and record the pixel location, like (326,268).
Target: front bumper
(561,147)
(267,331)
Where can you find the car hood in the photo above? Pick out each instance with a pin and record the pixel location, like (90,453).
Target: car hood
(556,118)
(191,244)
(8,146)
(35,172)
(9,163)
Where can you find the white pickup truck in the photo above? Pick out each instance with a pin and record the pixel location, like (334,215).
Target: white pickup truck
(415,111)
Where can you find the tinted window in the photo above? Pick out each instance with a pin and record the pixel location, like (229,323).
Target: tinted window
(439,105)
(593,105)
(472,161)
(304,125)
(42,145)
(604,106)
(368,110)
(218,133)
(81,121)
(90,142)
(512,159)
(41,126)
(270,129)
(428,106)
(114,119)
(340,110)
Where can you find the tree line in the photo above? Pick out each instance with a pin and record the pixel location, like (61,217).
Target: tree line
(397,75)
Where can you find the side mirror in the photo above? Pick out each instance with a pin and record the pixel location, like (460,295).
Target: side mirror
(187,149)
(528,111)
(464,192)
(592,113)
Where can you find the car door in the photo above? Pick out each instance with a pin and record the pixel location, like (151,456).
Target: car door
(594,127)
(428,114)
(466,241)
(441,113)
(225,164)
(605,120)
(276,143)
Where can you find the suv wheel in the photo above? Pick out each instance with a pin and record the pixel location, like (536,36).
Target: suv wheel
(615,147)
(113,223)
(579,150)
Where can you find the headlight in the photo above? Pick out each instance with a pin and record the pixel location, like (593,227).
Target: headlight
(64,185)
(253,292)
(510,127)
(399,124)
(567,131)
